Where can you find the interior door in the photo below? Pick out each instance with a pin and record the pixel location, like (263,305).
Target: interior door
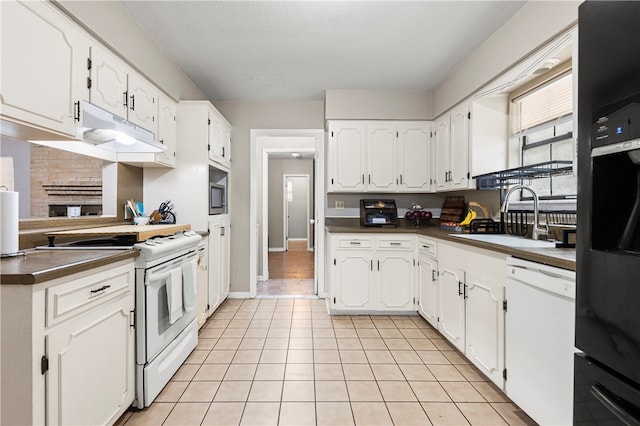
(296,208)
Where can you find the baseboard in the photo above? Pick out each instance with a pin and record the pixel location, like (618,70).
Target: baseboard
(274,249)
(239,295)
(297,239)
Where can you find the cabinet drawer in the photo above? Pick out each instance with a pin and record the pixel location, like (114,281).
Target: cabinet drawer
(354,243)
(395,243)
(428,247)
(65,301)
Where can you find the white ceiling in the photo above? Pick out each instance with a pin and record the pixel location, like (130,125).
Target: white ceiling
(295,50)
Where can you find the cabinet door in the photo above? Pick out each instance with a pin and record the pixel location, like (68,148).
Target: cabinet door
(452,313)
(167,129)
(428,297)
(441,166)
(485,326)
(215,266)
(109,81)
(91,377)
(414,147)
(351,284)
(381,155)
(143,103)
(203,283)
(44,66)
(459,154)
(346,153)
(216,142)
(226,145)
(225,259)
(394,281)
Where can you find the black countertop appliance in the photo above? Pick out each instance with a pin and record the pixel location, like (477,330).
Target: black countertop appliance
(378,213)
(607,372)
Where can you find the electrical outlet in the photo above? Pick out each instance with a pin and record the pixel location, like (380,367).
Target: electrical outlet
(339,205)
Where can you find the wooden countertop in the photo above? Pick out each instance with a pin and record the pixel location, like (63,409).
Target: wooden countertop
(38,266)
(559,257)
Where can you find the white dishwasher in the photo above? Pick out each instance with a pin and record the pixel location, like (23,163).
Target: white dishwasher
(539,335)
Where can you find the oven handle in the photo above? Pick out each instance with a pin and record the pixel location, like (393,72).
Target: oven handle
(164,271)
(607,399)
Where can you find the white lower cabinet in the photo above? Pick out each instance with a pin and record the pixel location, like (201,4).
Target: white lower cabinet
(68,348)
(428,286)
(219,248)
(372,273)
(471,305)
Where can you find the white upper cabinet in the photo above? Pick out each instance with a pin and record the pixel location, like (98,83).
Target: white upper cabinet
(109,81)
(43,68)
(116,88)
(489,135)
(167,128)
(413,157)
(379,156)
(451,170)
(219,142)
(143,103)
(347,157)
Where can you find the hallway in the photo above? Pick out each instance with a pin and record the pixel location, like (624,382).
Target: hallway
(291,273)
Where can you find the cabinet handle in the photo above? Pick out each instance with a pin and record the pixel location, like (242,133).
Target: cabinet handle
(609,400)
(395,244)
(363,178)
(424,246)
(378,265)
(98,290)
(369,178)
(125,95)
(464,290)
(355,243)
(371,264)
(133,102)
(223,152)
(459,288)
(76,112)
(400,179)
(433,275)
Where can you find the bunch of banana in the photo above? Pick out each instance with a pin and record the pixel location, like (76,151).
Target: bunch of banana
(468,218)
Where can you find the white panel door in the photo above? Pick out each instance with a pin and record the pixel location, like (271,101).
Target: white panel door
(414,148)
(485,326)
(459,156)
(44,66)
(381,156)
(109,81)
(452,312)
(351,286)
(347,157)
(394,281)
(428,296)
(143,103)
(91,367)
(441,166)
(215,266)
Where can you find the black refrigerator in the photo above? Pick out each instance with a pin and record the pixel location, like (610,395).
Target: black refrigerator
(607,371)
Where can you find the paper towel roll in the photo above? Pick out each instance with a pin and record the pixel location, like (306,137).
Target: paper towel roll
(8,222)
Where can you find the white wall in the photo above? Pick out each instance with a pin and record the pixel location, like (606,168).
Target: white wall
(245,116)
(535,24)
(110,22)
(378,104)
(21,154)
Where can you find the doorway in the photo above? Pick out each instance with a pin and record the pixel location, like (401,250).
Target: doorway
(278,245)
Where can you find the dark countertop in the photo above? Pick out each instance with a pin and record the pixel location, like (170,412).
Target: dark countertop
(564,258)
(38,266)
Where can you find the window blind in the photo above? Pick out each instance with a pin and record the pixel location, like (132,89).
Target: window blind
(543,104)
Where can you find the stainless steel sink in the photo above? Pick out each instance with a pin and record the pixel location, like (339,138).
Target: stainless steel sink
(507,240)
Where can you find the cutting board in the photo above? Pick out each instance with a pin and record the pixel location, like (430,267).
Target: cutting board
(142,232)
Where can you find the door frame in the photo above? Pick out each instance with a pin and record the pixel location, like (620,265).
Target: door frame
(259,155)
(285,210)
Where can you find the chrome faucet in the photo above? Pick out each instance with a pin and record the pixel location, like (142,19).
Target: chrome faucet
(537,229)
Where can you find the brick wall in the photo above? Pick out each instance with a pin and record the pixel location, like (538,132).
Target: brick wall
(51,166)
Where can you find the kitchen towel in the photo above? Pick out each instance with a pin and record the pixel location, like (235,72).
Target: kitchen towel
(174,294)
(189,274)
(8,222)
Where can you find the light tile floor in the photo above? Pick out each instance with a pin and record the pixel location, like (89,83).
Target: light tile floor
(287,362)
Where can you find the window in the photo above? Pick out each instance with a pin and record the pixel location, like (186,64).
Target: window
(543,123)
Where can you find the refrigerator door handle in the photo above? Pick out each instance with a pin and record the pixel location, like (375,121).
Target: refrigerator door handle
(607,399)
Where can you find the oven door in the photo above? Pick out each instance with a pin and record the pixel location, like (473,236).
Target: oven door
(155,331)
